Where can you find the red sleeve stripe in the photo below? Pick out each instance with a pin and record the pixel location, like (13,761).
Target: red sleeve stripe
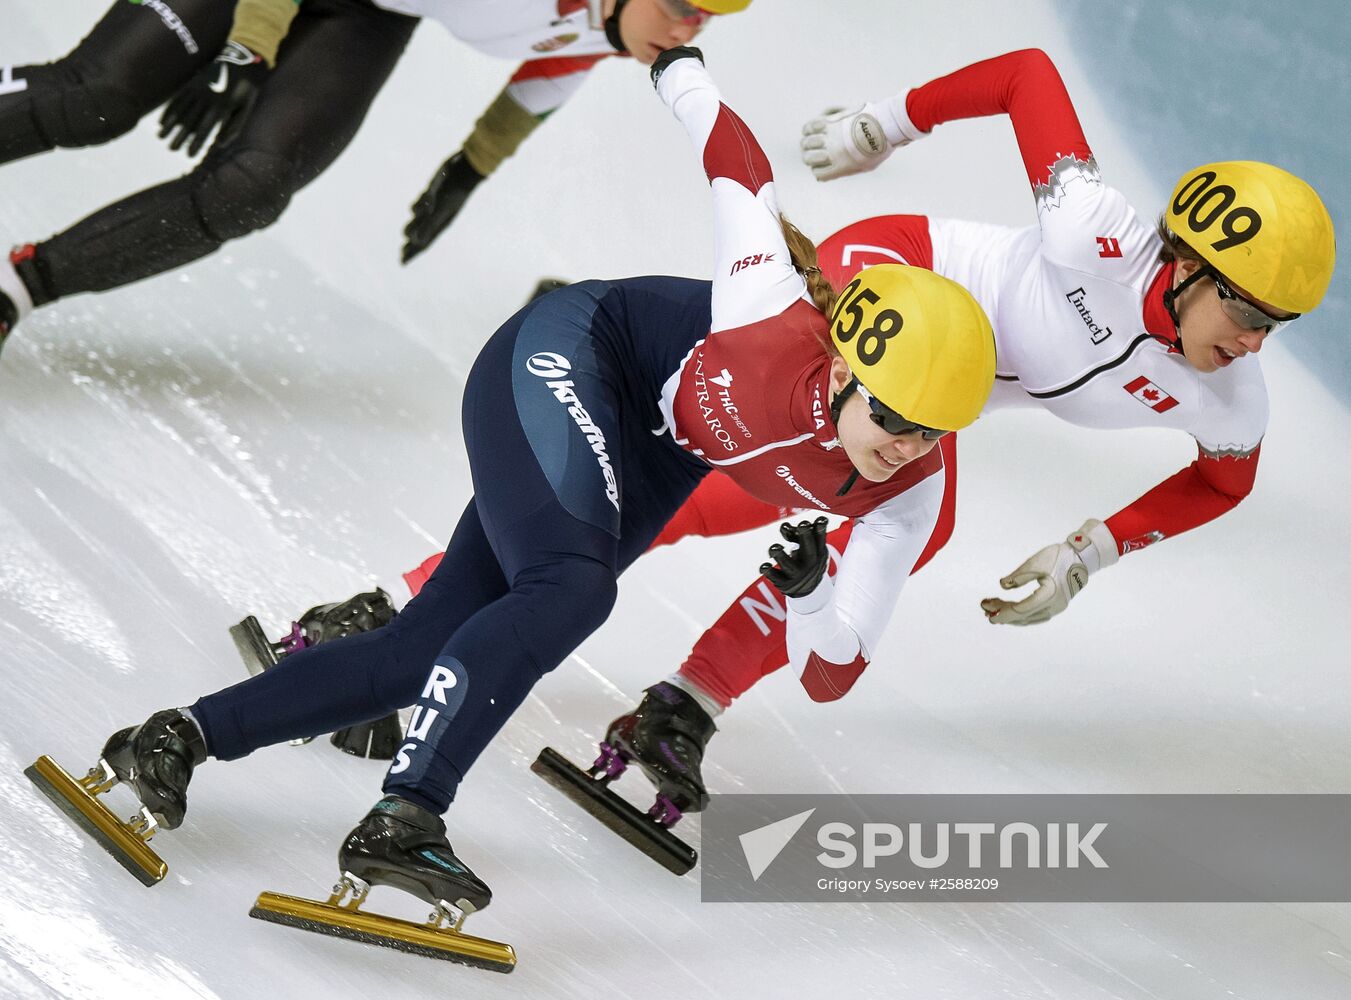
(826,681)
(732,152)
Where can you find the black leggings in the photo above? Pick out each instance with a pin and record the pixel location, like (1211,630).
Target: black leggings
(333,62)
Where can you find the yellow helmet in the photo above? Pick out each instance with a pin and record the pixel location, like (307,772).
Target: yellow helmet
(919,343)
(1264,229)
(721,6)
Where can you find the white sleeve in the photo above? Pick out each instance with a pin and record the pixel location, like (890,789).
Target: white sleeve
(753,273)
(845,619)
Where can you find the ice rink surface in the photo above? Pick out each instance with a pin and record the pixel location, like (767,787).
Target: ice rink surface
(278,425)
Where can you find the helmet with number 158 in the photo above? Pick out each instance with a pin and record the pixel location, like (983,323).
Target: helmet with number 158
(1261,227)
(918,342)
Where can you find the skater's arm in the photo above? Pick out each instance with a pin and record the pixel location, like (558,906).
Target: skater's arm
(536,90)
(753,274)
(833,632)
(260,26)
(1229,424)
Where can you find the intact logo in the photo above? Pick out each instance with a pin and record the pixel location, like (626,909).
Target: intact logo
(551,366)
(1097,334)
(1150,394)
(1108,246)
(751,261)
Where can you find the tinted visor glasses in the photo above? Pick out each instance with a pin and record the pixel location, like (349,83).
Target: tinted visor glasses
(891,421)
(1245,312)
(684,12)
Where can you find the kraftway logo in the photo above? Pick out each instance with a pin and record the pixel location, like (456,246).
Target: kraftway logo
(786,474)
(551,366)
(844,845)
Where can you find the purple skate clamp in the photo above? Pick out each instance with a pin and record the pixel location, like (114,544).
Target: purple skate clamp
(664,812)
(649,832)
(610,764)
(297,640)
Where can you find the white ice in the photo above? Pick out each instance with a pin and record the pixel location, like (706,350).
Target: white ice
(279,425)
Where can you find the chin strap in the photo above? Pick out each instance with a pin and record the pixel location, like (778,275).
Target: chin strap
(612,28)
(836,405)
(1170,296)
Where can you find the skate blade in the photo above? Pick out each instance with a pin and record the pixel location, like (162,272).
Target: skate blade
(389,932)
(85,810)
(254,649)
(621,816)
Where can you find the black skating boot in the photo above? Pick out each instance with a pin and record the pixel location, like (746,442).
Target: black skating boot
(666,734)
(362,613)
(156,759)
(9,315)
(403,845)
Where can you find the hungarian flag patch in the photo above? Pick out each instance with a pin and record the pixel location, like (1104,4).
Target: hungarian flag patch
(1150,394)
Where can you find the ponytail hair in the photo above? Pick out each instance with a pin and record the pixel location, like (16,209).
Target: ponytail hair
(803,253)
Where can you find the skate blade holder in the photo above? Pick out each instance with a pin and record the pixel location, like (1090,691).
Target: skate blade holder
(440,937)
(592,793)
(125,840)
(260,654)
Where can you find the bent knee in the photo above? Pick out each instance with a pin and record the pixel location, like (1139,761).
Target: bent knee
(87,114)
(241,191)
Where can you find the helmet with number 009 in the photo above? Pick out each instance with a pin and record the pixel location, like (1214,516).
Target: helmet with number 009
(1261,227)
(919,342)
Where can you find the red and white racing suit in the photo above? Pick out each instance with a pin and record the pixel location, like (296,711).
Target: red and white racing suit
(1080,326)
(559,41)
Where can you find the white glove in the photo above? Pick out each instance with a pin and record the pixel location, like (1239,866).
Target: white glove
(1060,571)
(845,141)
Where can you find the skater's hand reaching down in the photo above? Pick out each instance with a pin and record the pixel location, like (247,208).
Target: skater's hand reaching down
(439,204)
(222,93)
(1060,571)
(799,572)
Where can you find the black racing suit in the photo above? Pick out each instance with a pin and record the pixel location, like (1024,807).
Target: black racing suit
(331,65)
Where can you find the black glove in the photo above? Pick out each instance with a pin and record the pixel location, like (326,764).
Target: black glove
(222,93)
(798,573)
(440,203)
(671,55)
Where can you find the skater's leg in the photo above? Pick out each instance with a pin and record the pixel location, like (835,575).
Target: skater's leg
(333,62)
(132,61)
(337,684)
(551,476)
(747,642)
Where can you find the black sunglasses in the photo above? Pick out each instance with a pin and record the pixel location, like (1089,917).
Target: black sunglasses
(1243,311)
(888,419)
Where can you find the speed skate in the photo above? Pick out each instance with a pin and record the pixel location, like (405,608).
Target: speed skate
(341,916)
(126,840)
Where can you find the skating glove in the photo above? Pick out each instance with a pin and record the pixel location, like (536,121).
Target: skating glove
(799,572)
(439,204)
(845,141)
(671,55)
(1060,571)
(222,93)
